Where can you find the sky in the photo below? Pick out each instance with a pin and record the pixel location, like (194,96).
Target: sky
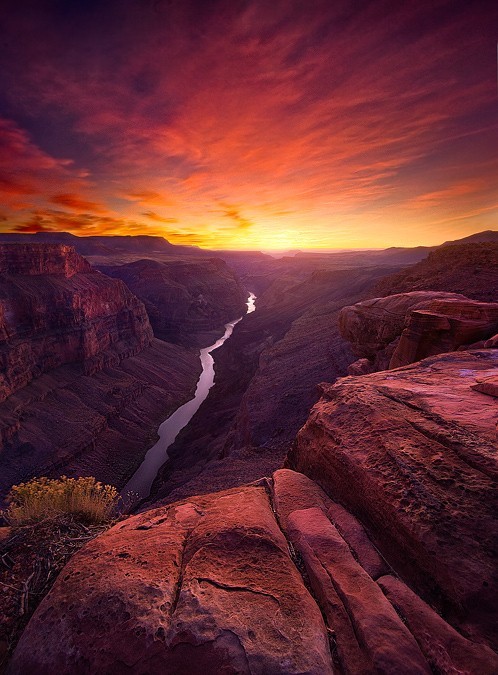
(250,124)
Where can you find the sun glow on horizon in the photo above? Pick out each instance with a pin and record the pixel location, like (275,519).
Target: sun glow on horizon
(290,128)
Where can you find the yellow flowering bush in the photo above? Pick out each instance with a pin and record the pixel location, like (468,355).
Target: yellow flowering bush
(45,498)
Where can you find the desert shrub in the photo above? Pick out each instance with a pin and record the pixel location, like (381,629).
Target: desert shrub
(39,499)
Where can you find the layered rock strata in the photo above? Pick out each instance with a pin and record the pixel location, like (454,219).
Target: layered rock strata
(400,329)
(55,309)
(83,383)
(186,300)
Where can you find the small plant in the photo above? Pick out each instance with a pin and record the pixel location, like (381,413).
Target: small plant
(40,499)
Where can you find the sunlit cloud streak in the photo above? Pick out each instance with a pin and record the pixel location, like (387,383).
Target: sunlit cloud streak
(254,124)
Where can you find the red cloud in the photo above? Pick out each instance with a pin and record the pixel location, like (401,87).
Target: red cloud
(77,203)
(303,115)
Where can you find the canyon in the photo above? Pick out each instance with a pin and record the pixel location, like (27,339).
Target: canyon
(84,382)
(373,550)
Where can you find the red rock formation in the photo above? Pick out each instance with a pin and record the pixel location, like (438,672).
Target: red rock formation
(446,326)
(186,299)
(54,309)
(401,329)
(35,259)
(83,385)
(413,453)
(219,584)
(471,269)
(206,586)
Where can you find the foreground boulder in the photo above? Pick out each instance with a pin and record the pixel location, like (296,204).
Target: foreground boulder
(412,452)
(271,578)
(205,586)
(401,329)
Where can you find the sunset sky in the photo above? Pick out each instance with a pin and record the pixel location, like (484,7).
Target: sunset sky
(250,124)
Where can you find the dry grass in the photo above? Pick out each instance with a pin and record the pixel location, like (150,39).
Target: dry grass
(31,558)
(40,499)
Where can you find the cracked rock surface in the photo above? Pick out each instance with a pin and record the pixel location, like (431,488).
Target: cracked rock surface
(274,577)
(413,453)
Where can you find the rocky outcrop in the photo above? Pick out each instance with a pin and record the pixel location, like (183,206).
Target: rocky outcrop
(83,384)
(54,309)
(264,579)
(407,327)
(412,452)
(205,586)
(186,300)
(35,260)
(471,269)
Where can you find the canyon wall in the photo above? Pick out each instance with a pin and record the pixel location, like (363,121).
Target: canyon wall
(187,300)
(84,385)
(55,309)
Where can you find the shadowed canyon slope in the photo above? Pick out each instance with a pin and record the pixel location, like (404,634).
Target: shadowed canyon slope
(187,301)
(85,384)
(471,269)
(266,377)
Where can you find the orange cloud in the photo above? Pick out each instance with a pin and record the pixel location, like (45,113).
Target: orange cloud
(158,218)
(76,203)
(301,124)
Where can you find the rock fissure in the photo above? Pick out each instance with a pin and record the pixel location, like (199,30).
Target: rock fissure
(242,589)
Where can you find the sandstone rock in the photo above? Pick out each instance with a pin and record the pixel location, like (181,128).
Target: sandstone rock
(383,639)
(446,650)
(212,584)
(492,343)
(401,329)
(487,385)
(360,367)
(205,586)
(371,326)
(353,532)
(294,491)
(445,327)
(412,453)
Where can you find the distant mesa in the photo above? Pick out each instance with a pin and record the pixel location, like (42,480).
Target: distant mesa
(479,237)
(101,245)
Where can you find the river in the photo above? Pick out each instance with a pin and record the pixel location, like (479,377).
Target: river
(140,484)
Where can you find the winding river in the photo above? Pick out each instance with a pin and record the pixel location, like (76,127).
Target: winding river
(139,485)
